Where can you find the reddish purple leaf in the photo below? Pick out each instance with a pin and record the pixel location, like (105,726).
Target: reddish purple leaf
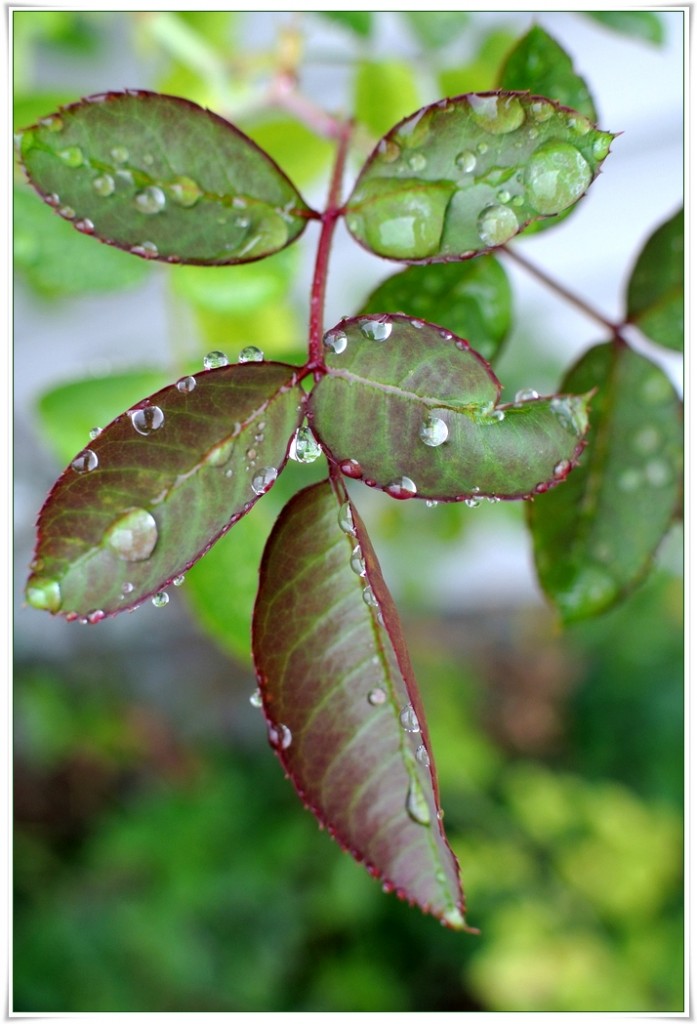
(157,486)
(342,704)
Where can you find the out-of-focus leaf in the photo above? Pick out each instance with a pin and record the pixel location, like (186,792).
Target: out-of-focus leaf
(385,90)
(28,107)
(301,153)
(342,704)
(360,22)
(69,412)
(594,538)
(471,299)
(656,290)
(163,178)
(437,28)
(481,73)
(214,26)
(276,327)
(56,261)
(640,24)
(158,485)
(235,289)
(465,175)
(409,408)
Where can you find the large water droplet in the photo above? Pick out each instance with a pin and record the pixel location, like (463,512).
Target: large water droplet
(346,519)
(336,341)
(184,191)
(369,597)
(497,114)
(103,185)
(214,360)
(417,805)
(44,594)
(85,226)
(148,419)
(422,756)
(352,468)
(496,224)
(151,200)
(133,536)
(161,599)
(72,156)
(280,736)
(466,161)
(541,110)
(571,412)
(556,175)
(186,384)
(408,719)
(119,154)
(358,561)
(251,354)
(264,479)
(389,150)
(402,488)
(525,395)
(433,431)
(85,462)
(375,330)
(377,696)
(304,447)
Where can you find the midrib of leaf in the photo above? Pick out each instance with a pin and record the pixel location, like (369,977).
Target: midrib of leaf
(392,389)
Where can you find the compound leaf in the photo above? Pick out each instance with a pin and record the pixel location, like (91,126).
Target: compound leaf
(595,537)
(656,290)
(158,485)
(408,407)
(342,704)
(472,299)
(641,24)
(163,178)
(467,174)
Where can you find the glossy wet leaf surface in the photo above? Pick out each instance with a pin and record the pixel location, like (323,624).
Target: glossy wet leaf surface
(144,499)
(656,290)
(467,174)
(163,178)
(472,299)
(595,538)
(416,414)
(342,704)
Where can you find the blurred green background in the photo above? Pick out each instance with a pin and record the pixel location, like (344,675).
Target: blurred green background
(162,863)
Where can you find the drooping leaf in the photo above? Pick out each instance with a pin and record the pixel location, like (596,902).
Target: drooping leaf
(471,299)
(342,704)
(384,91)
(594,538)
(408,407)
(70,411)
(163,178)
(360,22)
(640,24)
(55,261)
(437,28)
(656,290)
(480,73)
(467,174)
(149,495)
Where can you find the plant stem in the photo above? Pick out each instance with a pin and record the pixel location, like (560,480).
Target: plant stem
(319,282)
(560,289)
(284,93)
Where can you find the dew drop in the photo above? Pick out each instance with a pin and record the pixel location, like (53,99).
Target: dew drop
(417,805)
(417,161)
(541,110)
(389,150)
(431,503)
(352,468)
(147,420)
(525,395)
(482,148)
(123,178)
(54,123)
(433,431)
(422,756)
(161,599)
(336,341)
(418,324)
(280,736)
(601,146)
(94,433)
(408,719)
(497,114)
(472,502)
(369,597)
(503,195)
(466,161)
(496,224)
(358,561)
(264,479)
(571,413)
(151,200)
(377,696)
(304,447)
(44,594)
(148,250)
(179,580)
(127,588)
(85,226)
(85,462)
(251,354)
(96,616)
(53,199)
(453,918)
(132,537)
(375,330)
(186,384)
(346,519)
(184,191)
(256,699)
(67,212)
(402,488)
(556,175)
(214,360)
(562,468)
(72,156)
(119,154)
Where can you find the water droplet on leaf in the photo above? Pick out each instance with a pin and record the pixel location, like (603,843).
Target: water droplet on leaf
(119,154)
(571,412)
(525,395)
(67,212)
(417,805)
(148,250)
(251,354)
(369,597)
(389,150)
(132,537)
(186,384)
(304,447)
(408,719)
(94,433)
(214,360)
(148,419)
(72,156)
(336,341)
(377,696)
(376,330)
(433,431)
(562,468)
(264,479)
(151,200)
(496,224)
(352,468)
(556,175)
(466,161)
(85,462)
(497,114)
(280,736)
(658,473)
(161,599)
(417,161)
(346,518)
(184,191)
(44,594)
(85,226)
(601,146)
(402,488)
(256,699)
(422,756)
(179,580)
(358,561)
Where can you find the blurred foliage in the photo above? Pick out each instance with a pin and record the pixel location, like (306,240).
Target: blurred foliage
(360,22)
(385,91)
(640,24)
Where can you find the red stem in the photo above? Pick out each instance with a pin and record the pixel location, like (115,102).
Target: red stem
(319,282)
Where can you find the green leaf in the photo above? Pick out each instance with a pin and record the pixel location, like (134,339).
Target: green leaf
(56,261)
(342,704)
(384,91)
(408,407)
(360,22)
(158,485)
(471,299)
(480,74)
(163,178)
(640,24)
(302,153)
(69,412)
(594,538)
(656,290)
(465,175)
(437,28)
(236,289)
